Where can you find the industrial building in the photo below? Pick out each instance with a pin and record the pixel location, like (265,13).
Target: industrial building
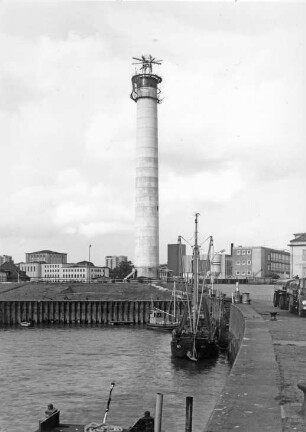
(259,261)
(298,255)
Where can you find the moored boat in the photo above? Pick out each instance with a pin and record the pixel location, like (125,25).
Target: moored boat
(164,320)
(195,338)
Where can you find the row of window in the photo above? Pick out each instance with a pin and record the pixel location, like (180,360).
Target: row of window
(244,252)
(243,262)
(274,256)
(28,268)
(243,273)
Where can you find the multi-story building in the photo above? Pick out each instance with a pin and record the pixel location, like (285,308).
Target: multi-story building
(5,258)
(259,261)
(113,261)
(176,252)
(46,256)
(298,255)
(80,272)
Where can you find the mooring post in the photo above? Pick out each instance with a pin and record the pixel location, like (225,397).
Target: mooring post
(158,412)
(188,424)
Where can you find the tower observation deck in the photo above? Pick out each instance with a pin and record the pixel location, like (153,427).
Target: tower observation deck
(146,93)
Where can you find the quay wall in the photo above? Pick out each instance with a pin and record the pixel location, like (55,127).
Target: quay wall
(236,332)
(79,312)
(249,400)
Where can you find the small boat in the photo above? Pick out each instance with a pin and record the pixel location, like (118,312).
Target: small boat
(26,323)
(52,422)
(194,338)
(164,320)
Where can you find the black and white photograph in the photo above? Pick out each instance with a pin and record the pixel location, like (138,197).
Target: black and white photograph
(153,216)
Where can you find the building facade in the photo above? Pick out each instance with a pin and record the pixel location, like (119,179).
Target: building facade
(5,258)
(176,252)
(46,256)
(113,261)
(80,272)
(259,261)
(298,255)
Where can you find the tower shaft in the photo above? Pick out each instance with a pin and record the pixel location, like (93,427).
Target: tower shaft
(145,93)
(146,196)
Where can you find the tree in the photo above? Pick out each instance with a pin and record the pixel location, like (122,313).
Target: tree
(122,270)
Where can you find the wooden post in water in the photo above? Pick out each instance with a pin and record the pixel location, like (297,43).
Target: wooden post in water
(188,424)
(158,412)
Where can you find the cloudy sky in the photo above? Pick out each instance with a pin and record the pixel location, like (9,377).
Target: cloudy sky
(231,126)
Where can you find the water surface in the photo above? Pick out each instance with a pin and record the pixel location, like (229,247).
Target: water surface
(73,367)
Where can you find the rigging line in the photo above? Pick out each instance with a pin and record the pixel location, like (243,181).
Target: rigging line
(209,237)
(186,241)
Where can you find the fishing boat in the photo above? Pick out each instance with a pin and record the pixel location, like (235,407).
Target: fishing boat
(164,320)
(195,338)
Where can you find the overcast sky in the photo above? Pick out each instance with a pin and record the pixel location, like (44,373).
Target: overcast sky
(231,125)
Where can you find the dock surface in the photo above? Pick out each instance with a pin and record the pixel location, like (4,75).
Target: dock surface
(261,392)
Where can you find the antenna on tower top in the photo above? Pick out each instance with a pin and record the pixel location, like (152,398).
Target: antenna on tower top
(146,61)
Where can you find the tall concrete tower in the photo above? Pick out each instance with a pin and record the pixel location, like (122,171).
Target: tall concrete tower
(146,93)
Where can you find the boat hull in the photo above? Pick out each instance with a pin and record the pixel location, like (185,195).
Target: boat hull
(182,347)
(162,327)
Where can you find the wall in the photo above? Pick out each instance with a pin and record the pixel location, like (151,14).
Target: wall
(85,312)
(236,332)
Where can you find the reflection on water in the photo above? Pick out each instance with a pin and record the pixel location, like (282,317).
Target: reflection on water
(73,367)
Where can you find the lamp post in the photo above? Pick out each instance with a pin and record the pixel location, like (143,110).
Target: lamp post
(211,264)
(89,269)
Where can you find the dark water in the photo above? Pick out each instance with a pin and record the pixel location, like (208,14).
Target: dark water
(73,367)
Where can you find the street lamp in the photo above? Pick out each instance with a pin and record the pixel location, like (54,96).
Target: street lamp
(89,269)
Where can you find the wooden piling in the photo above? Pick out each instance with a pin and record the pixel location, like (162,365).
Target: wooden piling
(188,423)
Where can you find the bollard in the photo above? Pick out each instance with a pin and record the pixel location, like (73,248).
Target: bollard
(158,412)
(188,424)
(245,298)
(273,316)
(302,386)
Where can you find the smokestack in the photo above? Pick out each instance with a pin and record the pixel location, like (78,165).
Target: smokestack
(145,93)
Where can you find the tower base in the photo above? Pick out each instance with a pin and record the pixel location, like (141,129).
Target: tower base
(147,272)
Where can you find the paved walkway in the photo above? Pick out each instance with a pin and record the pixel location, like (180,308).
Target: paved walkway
(261,392)
(289,339)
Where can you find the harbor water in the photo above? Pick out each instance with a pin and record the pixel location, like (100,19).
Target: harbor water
(73,367)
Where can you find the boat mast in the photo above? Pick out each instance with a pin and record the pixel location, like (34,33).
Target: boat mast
(195,274)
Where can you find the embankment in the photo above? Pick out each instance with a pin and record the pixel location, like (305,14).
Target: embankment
(249,400)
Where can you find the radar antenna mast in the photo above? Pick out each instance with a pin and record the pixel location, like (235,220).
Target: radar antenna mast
(146,61)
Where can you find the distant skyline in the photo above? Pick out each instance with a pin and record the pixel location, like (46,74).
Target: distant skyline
(231,126)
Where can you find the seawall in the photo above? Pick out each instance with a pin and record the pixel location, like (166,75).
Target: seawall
(249,400)
(79,312)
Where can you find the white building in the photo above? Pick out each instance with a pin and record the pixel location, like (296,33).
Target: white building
(298,255)
(80,272)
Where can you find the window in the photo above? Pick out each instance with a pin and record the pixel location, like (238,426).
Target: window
(249,272)
(243,273)
(243,262)
(238,262)
(243,252)
(249,262)
(248,252)
(237,272)
(238,252)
